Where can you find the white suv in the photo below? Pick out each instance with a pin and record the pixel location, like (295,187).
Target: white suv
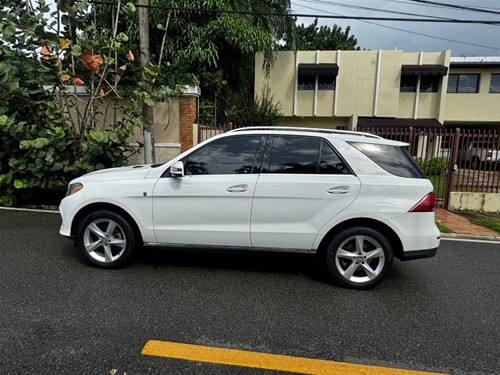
(355,199)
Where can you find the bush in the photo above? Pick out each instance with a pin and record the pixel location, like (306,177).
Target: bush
(49,136)
(434,166)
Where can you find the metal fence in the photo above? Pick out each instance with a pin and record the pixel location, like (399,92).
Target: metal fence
(208,131)
(454,160)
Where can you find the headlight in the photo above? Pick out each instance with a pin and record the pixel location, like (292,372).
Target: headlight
(73,188)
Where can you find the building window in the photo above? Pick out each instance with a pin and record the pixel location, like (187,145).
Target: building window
(307,81)
(408,83)
(495,84)
(322,75)
(326,81)
(463,83)
(428,83)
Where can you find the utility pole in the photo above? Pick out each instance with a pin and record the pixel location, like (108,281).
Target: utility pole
(147,111)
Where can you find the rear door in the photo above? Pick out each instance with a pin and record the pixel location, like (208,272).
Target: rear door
(303,184)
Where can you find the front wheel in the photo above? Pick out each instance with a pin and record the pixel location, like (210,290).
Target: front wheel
(359,258)
(106,239)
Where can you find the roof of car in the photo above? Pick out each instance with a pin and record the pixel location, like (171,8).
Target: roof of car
(342,134)
(308,130)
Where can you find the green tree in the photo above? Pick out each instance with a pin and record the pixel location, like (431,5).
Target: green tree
(211,43)
(323,38)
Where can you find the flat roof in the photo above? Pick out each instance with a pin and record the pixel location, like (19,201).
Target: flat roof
(475,62)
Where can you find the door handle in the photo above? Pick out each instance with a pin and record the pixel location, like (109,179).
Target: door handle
(237,188)
(338,190)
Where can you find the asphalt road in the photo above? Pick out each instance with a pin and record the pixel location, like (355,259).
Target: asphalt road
(59,315)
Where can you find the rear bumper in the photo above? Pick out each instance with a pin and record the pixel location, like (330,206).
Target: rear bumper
(419,254)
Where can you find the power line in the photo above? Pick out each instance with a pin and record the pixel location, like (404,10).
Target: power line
(367,8)
(343,5)
(408,2)
(461,7)
(412,32)
(359,18)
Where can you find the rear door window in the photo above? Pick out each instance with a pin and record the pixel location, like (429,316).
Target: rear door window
(394,159)
(303,155)
(291,154)
(331,163)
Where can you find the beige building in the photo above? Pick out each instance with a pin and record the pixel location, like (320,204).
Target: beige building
(355,89)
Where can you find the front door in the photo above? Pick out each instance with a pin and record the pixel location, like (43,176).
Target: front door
(211,204)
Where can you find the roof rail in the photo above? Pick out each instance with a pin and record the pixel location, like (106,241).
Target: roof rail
(298,129)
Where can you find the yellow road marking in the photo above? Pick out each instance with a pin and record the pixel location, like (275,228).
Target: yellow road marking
(265,361)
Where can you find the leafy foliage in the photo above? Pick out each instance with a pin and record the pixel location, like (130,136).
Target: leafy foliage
(48,131)
(323,38)
(434,166)
(262,111)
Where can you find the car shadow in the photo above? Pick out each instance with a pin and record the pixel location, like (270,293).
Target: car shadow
(235,260)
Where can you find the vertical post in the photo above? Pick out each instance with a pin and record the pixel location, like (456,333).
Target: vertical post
(451,168)
(377,83)
(411,141)
(147,111)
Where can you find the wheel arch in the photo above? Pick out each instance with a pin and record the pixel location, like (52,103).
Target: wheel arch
(384,229)
(101,206)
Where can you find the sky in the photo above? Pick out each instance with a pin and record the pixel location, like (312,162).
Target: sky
(461,38)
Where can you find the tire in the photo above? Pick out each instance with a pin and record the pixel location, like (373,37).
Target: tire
(475,163)
(106,239)
(359,258)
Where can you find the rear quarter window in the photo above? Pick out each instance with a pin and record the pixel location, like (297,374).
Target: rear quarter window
(394,159)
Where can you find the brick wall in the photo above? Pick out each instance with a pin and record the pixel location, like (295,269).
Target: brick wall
(187,116)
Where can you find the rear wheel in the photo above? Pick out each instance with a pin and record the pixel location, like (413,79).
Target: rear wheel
(359,258)
(106,239)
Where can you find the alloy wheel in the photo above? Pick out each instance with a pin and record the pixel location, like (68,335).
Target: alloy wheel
(360,259)
(104,240)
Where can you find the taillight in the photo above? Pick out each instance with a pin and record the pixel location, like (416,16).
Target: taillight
(426,204)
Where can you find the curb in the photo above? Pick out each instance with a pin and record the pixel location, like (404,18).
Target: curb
(473,237)
(51,210)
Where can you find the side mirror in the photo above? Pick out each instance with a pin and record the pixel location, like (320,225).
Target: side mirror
(177,169)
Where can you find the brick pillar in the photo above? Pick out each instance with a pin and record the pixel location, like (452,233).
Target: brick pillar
(187,116)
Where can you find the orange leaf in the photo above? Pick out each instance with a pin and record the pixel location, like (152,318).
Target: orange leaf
(90,61)
(130,56)
(78,81)
(121,69)
(45,52)
(101,92)
(64,77)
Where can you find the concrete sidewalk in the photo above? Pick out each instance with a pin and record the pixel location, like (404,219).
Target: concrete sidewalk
(463,227)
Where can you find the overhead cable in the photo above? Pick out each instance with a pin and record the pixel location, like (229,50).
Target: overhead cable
(388,19)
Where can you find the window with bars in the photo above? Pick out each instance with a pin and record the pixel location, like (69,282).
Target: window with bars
(307,81)
(428,83)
